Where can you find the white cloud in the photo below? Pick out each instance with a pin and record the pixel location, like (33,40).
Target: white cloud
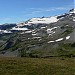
(5,18)
(39,10)
(62,8)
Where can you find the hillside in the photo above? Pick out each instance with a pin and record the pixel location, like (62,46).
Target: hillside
(41,37)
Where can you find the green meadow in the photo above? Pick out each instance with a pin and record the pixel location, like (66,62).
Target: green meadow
(37,66)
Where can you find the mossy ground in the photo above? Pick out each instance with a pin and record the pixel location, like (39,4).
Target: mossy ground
(37,66)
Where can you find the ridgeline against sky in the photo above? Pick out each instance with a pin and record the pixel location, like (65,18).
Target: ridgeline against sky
(12,11)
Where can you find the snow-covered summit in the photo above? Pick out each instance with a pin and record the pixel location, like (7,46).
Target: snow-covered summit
(72,11)
(43,20)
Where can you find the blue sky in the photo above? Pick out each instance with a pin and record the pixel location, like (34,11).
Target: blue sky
(12,11)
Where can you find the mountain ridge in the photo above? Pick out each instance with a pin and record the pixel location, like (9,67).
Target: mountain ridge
(41,39)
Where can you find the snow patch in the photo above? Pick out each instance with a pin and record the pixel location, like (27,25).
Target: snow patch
(51,41)
(59,40)
(43,20)
(43,27)
(36,37)
(40,39)
(68,37)
(28,31)
(5,31)
(34,34)
(21,29)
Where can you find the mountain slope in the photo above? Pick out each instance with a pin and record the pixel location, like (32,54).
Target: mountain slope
(42,37)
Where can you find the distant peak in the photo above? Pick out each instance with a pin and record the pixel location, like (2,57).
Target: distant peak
(72,10)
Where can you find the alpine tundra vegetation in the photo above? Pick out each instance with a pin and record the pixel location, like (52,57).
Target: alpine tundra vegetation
(37,37)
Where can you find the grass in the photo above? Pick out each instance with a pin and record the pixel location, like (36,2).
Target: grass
(68,31)
(37,66)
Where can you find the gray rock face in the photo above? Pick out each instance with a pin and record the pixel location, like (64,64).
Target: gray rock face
(52,39)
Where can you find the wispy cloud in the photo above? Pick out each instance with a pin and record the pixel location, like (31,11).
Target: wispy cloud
(41,10)
(5,18)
